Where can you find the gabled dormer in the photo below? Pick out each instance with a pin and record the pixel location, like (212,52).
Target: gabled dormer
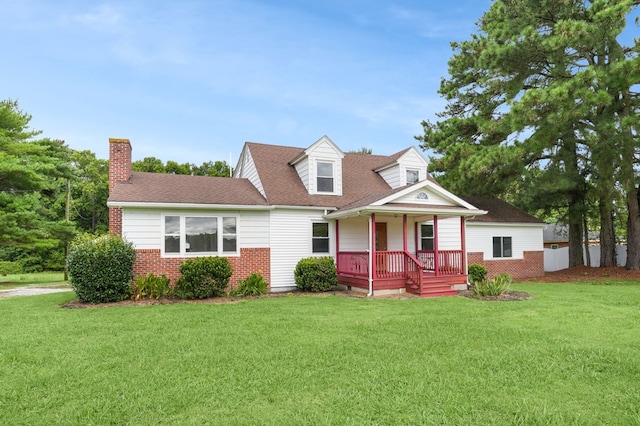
(320,167)
(405,168)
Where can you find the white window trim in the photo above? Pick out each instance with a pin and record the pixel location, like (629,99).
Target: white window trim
(406,172)
(330,229)
(334,169)
(183,252)
(502,237)
(421,238)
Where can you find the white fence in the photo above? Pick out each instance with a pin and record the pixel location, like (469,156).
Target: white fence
(556,259)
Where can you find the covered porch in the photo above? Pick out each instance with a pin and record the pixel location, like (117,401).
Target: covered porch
(405,252)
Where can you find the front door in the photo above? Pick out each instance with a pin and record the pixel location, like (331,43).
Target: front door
(381,245)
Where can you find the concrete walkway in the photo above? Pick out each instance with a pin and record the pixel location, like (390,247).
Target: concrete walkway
(32,291)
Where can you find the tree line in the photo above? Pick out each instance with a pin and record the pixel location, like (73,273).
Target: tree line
(542,109)
(50,192)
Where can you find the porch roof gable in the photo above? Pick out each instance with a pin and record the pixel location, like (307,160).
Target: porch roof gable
(391,202)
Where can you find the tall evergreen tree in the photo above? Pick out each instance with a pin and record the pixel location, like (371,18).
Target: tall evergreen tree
(541,109)
(29,170)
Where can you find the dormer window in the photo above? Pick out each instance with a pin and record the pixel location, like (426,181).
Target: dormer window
(324,176)
(413,176)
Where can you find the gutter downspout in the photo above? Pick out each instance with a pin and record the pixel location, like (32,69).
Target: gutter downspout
(370,259)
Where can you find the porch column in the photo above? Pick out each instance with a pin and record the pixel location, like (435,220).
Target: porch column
(405,245)
(463,240)
(415,237)
(374,270)
(338,245)
(404,233)
(436,255)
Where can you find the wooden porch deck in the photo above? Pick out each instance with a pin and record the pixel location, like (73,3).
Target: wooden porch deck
(428,273)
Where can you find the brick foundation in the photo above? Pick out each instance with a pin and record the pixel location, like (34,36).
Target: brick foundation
(251,260)
(531,266)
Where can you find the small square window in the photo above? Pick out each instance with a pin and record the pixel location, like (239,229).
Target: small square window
(413,176)
(502,247)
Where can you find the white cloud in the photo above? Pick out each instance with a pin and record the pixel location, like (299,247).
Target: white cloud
(103,17)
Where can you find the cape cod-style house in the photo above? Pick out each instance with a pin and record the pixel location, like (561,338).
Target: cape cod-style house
(387,224)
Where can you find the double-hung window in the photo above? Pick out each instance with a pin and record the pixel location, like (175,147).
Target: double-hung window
(324,176)
(320,238)
(186,234)
(426,237)
(502,247)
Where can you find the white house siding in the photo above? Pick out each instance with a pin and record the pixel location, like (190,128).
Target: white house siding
(303,171)
(392,176)
(523,238)
(325,151)
(432,198)
(354,233)
(413,160)
(290,237)
(143,227)
(449,233)
(250,172)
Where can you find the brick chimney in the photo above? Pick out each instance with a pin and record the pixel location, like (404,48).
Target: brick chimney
(119,161)
(119,171)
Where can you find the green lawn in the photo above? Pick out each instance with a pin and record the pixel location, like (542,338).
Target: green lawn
(570,355)
(39,278)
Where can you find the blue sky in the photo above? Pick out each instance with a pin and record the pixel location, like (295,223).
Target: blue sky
(191,81)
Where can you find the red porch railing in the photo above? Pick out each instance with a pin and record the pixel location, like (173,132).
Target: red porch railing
(398,264)
(414,271)
(390,264)
(354,263)
(449,261)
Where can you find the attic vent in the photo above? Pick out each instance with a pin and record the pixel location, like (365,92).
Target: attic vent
(422,196)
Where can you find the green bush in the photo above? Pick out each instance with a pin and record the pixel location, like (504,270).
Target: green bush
(203,277)
(100,268)
(316,274)
(7,267)
(493,287)
(151,286)
(477,273)
(254,285)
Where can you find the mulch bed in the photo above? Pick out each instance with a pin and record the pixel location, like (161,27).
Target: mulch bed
(576,274)
(586,273)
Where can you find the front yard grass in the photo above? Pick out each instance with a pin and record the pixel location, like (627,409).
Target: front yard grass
(567,356)
(38,278)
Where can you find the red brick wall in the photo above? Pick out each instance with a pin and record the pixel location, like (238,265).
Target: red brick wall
(531,266)
(119,171)
(251,260)
(119,161)
(115,220)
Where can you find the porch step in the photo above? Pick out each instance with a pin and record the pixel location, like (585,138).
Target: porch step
(431,289)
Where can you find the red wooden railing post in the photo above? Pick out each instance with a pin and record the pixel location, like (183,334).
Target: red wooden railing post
(436,256)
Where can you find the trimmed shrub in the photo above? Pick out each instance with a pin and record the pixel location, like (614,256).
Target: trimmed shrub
(254,285)
(493,287)
(477,273)
(151,286)
(100,268)
(203,277)
(316,274)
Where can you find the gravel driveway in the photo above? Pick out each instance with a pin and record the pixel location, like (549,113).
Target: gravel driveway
(32,291)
